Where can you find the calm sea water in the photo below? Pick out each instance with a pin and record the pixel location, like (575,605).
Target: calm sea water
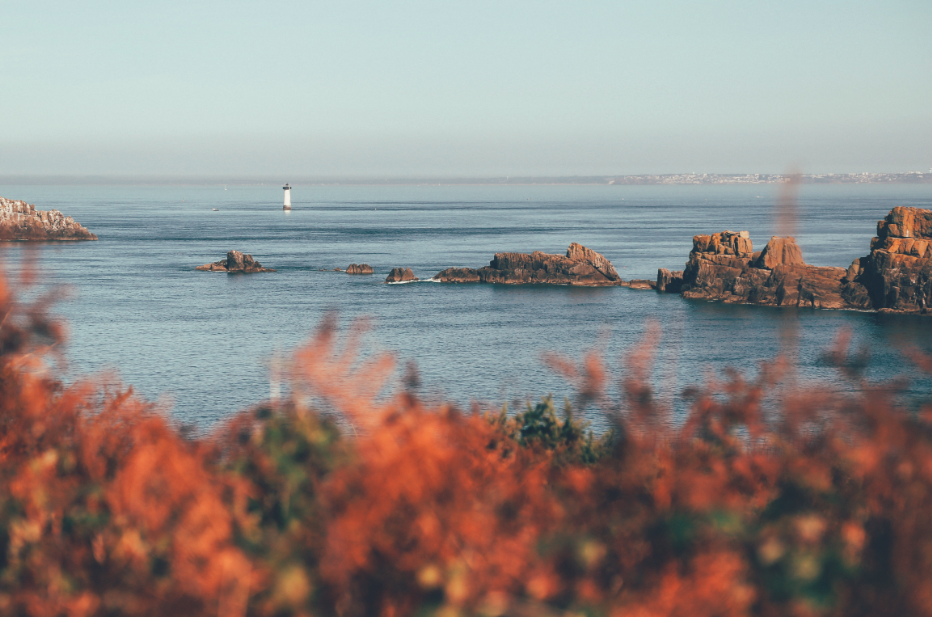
(202,341)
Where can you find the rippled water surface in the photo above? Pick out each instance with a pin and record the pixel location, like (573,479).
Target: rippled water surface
(204,339)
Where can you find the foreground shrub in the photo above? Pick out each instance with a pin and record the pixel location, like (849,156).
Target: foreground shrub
(816,506)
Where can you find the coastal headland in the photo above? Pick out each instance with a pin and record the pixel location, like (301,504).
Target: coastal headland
(20,221)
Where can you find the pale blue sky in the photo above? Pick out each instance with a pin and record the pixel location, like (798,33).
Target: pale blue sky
(464,88)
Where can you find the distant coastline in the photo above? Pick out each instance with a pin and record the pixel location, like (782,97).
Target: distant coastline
(682,179)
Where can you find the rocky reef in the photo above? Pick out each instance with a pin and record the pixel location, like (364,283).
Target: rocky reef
(21,221)
(359,269)
(401,275)
(580,266)
(235,263)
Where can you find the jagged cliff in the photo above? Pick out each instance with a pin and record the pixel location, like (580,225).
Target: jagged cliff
(21,221)
(898,271)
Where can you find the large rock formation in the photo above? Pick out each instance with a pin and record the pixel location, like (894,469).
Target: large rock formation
(724,267)
(895,277)
(897,274)
(236,263)
(359,269)
(21,221)
(400,275)
(580,266)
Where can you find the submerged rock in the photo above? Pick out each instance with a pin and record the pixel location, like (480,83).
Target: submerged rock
(359,269)
(235,263)
(21,221)
(400,275)
(580,266)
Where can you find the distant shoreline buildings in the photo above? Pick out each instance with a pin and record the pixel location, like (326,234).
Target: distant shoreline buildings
(910,177)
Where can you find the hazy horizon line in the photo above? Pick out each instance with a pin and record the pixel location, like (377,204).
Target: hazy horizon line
(689,178)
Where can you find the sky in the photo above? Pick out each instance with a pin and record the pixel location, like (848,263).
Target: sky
(464,89)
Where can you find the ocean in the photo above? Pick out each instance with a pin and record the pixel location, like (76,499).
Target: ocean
(200,344)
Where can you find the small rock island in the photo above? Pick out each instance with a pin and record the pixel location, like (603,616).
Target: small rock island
(580,266)
(20,221)
(235,263)
(401,275)
(359,269)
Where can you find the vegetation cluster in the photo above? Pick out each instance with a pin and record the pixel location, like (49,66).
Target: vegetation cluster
(819,506)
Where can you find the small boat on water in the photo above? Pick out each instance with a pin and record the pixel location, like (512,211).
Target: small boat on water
(215,210)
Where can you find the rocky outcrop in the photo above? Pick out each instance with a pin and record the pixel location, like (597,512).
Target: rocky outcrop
(669,282)
(577,252)
(400,275)
(459,275)
(236,263)
(580,266)
(723,267)
(21,221)
(778,252)
(897,275)
(359,269)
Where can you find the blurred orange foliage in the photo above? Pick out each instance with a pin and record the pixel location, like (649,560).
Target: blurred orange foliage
(820,506)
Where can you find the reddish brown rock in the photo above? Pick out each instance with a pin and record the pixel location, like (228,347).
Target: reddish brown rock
(780,251)
(459,275)
(359,269)
(21,221)
(400,275)
(669,282)
(897,275)
(736,243)
(640,284)
(903,222)
(581,266)
(722,267)
(235,263)
(577,252)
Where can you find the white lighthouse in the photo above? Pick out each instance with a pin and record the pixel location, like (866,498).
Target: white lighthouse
(287,188)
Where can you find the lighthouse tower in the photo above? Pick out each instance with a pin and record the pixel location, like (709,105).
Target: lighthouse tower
(287,188)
